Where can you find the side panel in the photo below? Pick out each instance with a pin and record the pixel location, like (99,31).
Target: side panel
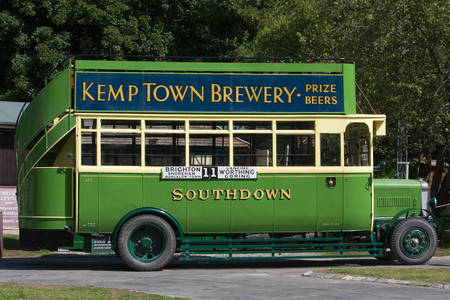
(253,215)
(299,212)
(160,194)
(393,195)
(272,203)
(210,215)
(118,195)
(46,199)
(330,202)
(88,203)
(357,201)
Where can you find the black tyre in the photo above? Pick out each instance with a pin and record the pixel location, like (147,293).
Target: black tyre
(413,241)
(146,243)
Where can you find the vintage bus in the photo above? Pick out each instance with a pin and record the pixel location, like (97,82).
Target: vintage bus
(211,160)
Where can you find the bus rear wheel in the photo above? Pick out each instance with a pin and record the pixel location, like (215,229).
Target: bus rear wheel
(413,241)
(146,243)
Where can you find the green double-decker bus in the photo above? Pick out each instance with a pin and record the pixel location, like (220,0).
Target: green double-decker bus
(211,160)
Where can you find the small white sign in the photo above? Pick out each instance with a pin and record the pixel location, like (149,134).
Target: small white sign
(8,205)
(237,172)
(175,172)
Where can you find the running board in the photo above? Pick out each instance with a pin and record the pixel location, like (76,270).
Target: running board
(225,248)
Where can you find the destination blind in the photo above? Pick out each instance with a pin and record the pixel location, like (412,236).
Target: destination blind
(157,92)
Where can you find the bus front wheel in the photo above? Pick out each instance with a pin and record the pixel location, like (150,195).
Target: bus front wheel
(146,243)
(413,241)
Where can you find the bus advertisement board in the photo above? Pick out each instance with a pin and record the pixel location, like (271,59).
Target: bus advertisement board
(8,205)
(209,93)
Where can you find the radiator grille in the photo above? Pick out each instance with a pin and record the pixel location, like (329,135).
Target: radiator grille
(394,201)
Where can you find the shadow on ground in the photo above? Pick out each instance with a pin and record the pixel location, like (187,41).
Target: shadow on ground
(97,262)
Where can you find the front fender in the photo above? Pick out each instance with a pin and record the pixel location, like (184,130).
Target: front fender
(146,210)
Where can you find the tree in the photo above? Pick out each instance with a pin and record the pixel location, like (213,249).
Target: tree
(401,52)
(36,36)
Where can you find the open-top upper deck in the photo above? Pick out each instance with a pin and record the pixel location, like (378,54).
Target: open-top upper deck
(142,88)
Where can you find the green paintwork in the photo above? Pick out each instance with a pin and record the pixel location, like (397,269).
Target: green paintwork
(301,214)
(88,203)
(330,203)
(155,196)
(414,242)
(47,223)
(51,102)
(233,246)
(357,201)
(391,196)
(403,213)
(46,199)
(117,194)
(147,210)
(106,198)
(80,242)
(348,70)
(44,144)
(208,66)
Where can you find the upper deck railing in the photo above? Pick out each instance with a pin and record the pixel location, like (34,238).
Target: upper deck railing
(51,102)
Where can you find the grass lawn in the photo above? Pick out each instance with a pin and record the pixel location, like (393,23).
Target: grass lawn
(435,275)
(38,292)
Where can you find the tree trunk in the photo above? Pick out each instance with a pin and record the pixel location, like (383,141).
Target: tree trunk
(438,190)
(444,194)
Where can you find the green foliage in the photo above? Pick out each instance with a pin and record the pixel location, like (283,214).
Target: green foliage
(36,36)
(294,28)
(401,52)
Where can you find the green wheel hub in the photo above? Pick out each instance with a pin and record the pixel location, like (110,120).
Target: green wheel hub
(414,242)
(146,243)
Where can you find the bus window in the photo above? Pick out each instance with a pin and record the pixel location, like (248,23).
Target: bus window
(89,148)
(330,149)
(209,150)
(88,124)
(295,125)
(295,150)
(121,149)
(121,124)
(249,125)
(252,150)
(207,125)
(165,149)
(165,125)
(357,145)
